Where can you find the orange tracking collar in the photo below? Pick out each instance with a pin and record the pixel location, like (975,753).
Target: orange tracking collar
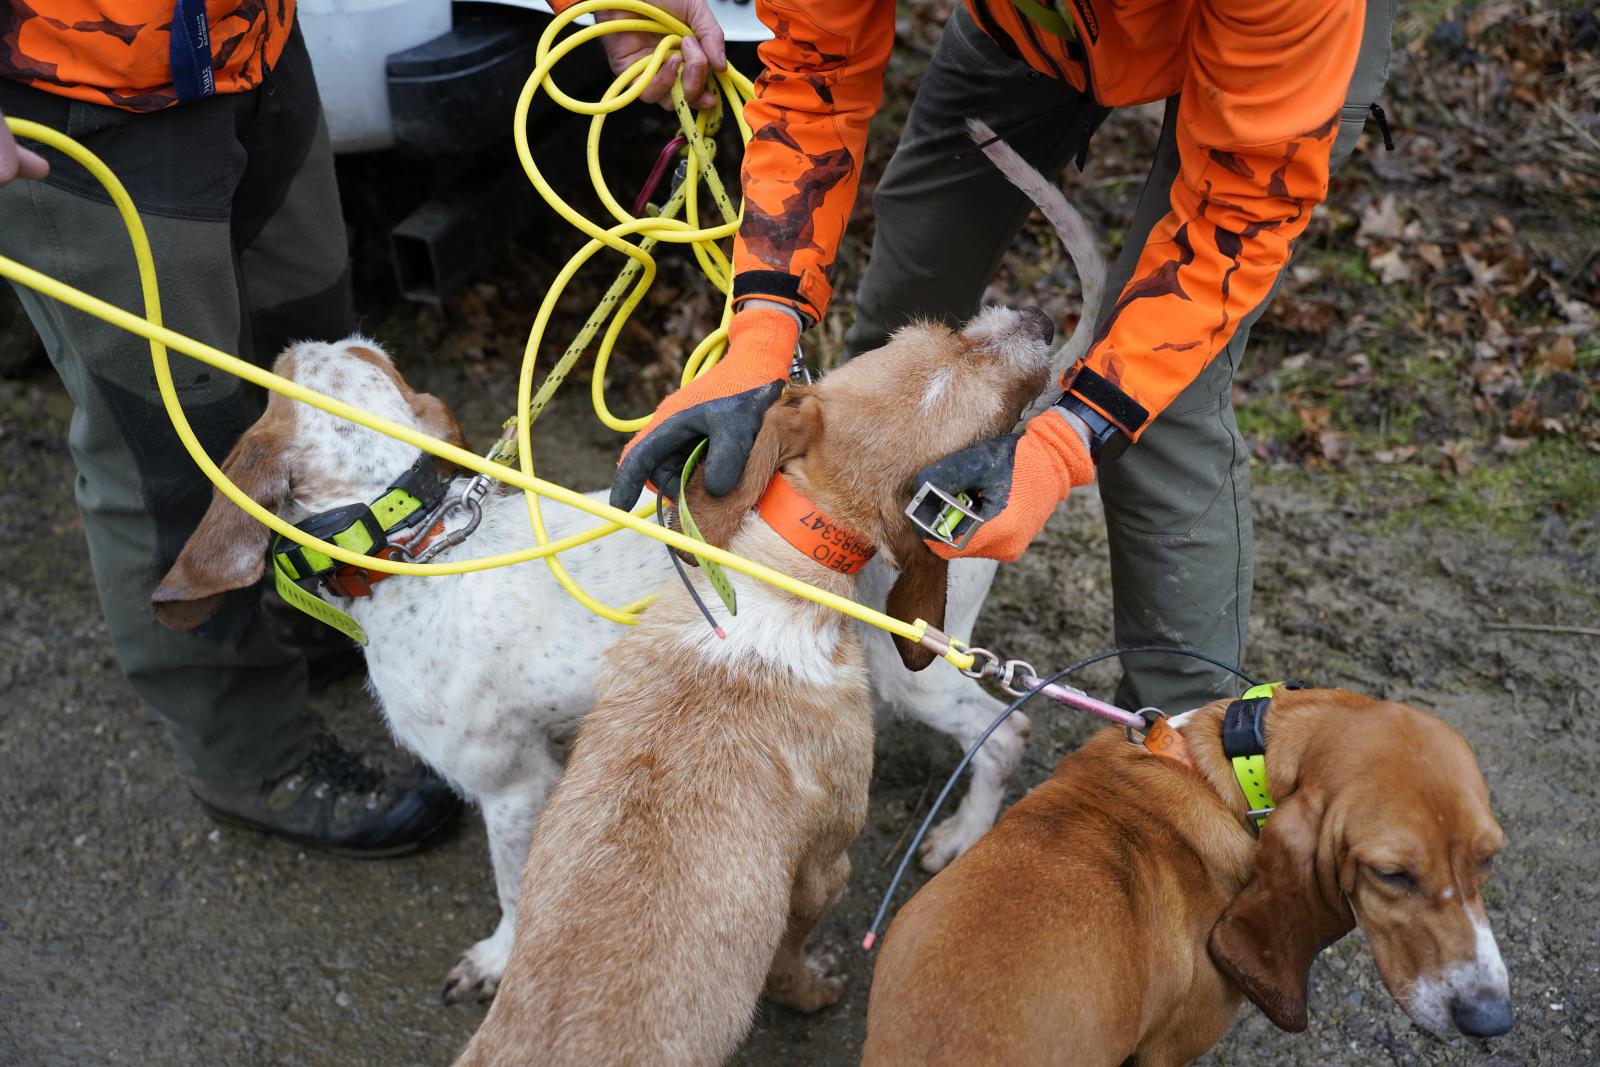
(806,527)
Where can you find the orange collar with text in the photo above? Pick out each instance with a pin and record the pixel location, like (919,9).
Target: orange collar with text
(806,527)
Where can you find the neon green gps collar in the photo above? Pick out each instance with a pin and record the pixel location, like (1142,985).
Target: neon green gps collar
(363,528)
(1245,745)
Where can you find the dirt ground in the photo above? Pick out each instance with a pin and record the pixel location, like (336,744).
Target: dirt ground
(133,931)
(1426,471)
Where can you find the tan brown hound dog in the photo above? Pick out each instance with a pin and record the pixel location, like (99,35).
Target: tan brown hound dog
(700,829)
(1122,910)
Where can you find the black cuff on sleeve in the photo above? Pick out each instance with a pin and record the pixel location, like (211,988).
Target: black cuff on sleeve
(778,284)
(1126,412)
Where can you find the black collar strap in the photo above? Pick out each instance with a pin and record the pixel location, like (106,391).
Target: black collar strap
(1244,743)
(364,528)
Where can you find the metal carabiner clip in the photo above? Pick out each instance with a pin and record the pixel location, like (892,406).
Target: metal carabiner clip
(799,373)
(942,517)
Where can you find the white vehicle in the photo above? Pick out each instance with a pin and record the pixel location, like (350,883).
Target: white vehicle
(379,63)
(440,80)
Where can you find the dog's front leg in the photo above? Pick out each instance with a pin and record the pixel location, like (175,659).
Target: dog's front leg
(797,980)
(945,700)
(509,818)
(965,720)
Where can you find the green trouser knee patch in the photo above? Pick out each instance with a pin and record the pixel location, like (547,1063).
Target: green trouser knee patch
(175,496)
(326,315)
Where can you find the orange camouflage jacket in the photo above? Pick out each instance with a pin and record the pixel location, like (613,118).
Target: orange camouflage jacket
(1262,83)
(119,52)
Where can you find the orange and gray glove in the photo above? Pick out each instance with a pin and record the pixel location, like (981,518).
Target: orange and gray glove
(725,404)
(1015,482)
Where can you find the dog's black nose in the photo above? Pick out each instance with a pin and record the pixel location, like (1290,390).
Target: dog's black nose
(1039,321)
(1488,1016)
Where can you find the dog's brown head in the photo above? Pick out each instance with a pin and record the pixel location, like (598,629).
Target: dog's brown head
(297,461)
(1384,823)
(854,442)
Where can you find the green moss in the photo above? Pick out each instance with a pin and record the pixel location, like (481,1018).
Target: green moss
(1511,495)
(1269,419)
(1352,268)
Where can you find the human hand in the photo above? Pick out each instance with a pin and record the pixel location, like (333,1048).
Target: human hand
(725,404)
(703,51)
(16,161)
(1016,481)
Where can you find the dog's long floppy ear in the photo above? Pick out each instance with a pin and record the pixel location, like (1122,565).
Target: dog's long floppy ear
(787,432)
(228,549)
(1269,934)
(919,592)
(436,418)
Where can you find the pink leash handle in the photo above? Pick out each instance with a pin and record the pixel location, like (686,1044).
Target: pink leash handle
(1019,679)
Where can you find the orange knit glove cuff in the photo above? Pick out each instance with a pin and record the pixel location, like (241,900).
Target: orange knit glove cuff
(1050,460)
(1059,448)
(761,341)
(761,344)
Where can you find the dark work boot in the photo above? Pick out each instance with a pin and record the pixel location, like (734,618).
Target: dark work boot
(335,802)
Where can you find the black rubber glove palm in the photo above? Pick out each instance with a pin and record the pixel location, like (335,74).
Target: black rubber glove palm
(730,422)
(726,404)
(1016,481)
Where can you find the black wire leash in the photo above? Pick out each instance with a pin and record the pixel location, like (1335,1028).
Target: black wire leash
(871,937)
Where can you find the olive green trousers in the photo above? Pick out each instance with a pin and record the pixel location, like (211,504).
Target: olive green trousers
(239,199)
(1177,503)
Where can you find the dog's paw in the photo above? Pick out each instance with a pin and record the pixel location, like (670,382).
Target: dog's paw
(476,975)
(466,982)
(810,988)
(947,841)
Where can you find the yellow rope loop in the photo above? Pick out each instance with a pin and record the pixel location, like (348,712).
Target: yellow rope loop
(634,280)
(161,339)
(639,272)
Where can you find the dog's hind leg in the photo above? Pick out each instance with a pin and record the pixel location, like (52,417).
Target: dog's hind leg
(800,980)
(510,818)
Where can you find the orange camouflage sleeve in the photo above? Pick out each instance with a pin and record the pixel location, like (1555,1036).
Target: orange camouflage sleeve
(822,84)
(1256,122)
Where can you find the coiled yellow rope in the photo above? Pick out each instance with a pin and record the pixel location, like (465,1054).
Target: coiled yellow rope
(624,90)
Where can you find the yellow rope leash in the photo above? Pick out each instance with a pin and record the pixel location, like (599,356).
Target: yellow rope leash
(664,227)
(697,129)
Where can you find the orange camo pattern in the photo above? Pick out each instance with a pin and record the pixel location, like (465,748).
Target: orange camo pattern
(822,84)
(1261,84)
(117,52)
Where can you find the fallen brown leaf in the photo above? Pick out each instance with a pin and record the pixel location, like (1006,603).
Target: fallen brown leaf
(1561,354)
(1381,220)
(1392,267)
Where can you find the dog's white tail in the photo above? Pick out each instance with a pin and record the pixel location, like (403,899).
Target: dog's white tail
(1072,228)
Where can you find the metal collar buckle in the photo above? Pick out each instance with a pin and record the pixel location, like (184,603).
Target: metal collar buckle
(942,517)
(468,498)
(799,373)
